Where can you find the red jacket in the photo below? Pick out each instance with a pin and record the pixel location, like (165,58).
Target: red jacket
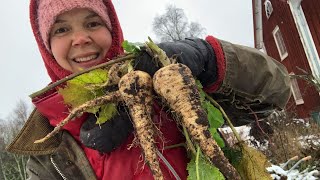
(124,162)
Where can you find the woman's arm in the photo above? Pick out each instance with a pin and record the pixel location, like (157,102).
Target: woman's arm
(251,81)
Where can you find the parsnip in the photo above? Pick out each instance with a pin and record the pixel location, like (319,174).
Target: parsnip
(176,85)
(136,91)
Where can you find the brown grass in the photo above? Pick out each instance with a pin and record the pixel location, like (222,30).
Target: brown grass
(284,143)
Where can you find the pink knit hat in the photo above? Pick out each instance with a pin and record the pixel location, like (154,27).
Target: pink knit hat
(48,10)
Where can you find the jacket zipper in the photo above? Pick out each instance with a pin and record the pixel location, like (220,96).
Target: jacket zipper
(57,168)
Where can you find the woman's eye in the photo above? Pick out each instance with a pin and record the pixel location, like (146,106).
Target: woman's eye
(93,24)
(60,30)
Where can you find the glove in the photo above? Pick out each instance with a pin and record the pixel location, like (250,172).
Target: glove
(108,136)
(195,53)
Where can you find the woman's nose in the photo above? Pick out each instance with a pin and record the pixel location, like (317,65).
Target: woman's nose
(81,38)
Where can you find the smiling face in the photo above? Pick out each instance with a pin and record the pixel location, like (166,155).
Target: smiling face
(79,39)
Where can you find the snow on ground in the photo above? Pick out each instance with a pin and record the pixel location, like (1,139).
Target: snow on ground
(244,133)
(307,141)
(277,172)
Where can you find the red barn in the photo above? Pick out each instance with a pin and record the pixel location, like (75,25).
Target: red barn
(289,31)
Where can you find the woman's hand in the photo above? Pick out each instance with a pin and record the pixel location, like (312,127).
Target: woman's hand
(196,53)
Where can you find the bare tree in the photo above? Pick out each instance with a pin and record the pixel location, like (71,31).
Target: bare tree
(2,147)
(173,25)
(12,166)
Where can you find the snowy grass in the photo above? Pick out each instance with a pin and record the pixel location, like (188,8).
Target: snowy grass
(291,137)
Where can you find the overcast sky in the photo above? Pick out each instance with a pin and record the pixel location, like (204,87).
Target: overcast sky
(21,68)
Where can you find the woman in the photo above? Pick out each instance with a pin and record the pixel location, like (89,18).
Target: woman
(77,34)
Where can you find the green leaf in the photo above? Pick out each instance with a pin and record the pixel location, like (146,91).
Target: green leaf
(130,47)
(202,93)
(234,155)
(199,85)
(80,89)
(107,112)
(97,76)
(216,120)
(216,136)
(93,110)
(75,94)
(214,115)
(206,170)
(87,87)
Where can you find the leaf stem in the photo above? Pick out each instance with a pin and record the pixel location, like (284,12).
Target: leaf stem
(157,52)
(189,143)
(175,146)
(197,163)
(53,85)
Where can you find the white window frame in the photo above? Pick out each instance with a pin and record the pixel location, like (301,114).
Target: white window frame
(296,91)
(280,43)
(268,8)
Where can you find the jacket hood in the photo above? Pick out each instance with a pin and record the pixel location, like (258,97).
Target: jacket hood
(55,71)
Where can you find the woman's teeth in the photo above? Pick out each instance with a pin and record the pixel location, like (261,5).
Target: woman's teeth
(84,59)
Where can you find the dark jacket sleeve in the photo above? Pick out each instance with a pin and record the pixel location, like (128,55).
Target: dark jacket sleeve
(250,81)
(67,162)
(37,170)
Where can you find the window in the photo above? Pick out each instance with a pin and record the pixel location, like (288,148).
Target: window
(280,43)
(268,8)
(296,91)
